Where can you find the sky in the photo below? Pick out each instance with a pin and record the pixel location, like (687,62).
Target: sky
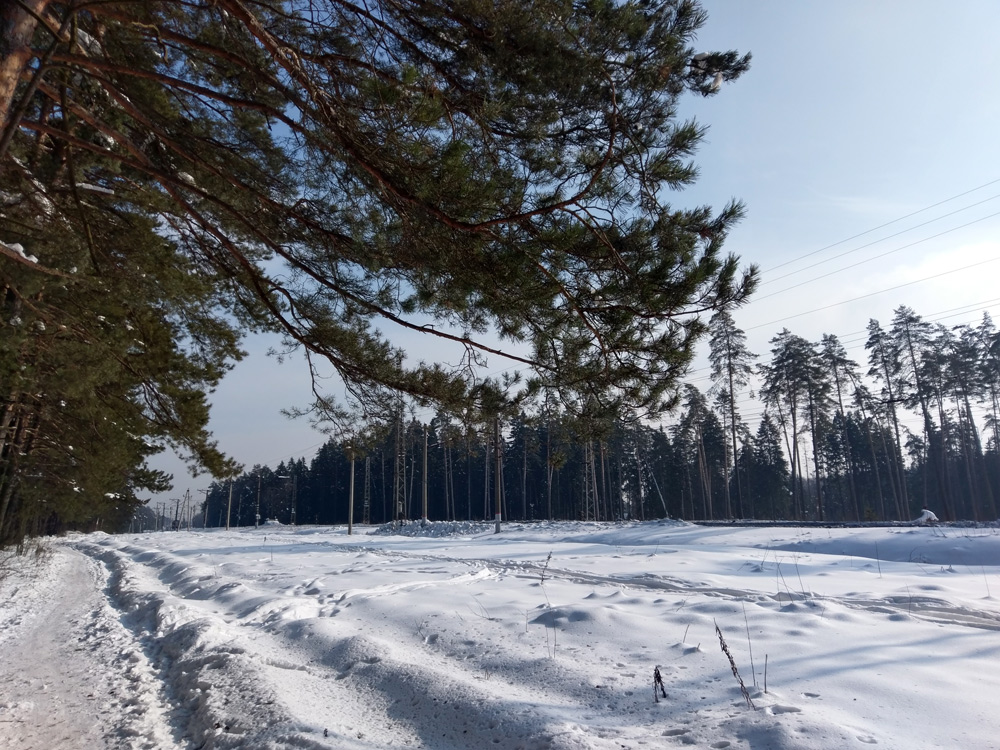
(863,141)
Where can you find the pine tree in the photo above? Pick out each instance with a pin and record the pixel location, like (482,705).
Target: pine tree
(443,168)
(843,372)
(911,335)
(732,367)
(460,170)
(885,367)
(797,387)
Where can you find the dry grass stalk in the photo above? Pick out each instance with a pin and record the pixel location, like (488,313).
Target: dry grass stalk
(736,672)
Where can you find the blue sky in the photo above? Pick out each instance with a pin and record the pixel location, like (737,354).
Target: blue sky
(854,114)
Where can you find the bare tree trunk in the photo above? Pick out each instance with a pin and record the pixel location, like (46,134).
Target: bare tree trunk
(598,501)
(549,469)
(524,480)
(605,489)
(20,443)
(878,475)
(18,21)
(820,510)
(350,499)
(705,477)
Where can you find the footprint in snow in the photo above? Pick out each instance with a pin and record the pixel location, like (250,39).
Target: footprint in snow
(779,709)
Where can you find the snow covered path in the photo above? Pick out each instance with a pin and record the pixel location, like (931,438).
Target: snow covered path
(69,672)
(48,698)
(544,637)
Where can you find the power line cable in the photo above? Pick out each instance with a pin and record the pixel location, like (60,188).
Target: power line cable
(874,294)
(883,226)
(877,257)
(889,237)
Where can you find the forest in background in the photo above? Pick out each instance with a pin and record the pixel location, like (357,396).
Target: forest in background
(916,426)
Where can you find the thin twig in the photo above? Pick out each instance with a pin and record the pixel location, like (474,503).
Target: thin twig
(753,670)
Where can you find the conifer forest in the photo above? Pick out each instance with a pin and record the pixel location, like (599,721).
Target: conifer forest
(914,426)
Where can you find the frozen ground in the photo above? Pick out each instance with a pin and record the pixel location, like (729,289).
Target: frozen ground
(541,637)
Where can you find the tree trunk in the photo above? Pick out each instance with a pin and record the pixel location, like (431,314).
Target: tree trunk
(18,21)
(524,480)
(820,510)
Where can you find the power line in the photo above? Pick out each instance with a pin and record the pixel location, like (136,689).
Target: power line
(883,226)
(877,257)
(889,237)
(874,294)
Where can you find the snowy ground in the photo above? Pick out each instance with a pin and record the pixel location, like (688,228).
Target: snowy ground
(454,637)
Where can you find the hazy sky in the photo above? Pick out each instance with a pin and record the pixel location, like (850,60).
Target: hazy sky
(866,130)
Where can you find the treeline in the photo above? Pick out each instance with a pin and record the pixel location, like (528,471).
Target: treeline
(837,441)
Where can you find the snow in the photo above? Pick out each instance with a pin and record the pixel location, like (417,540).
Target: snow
(927,516)
(542,636)
(18,249)
(95,188)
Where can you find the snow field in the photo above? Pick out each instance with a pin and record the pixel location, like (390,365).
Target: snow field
(452,637)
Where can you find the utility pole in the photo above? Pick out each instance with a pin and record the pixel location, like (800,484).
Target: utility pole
(229,505)
(256,513)
(350,494)
(423,506)
(204,518)
(496,474)
(366,512)
(399,491)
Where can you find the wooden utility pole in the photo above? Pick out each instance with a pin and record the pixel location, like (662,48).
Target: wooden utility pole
(496,474)
(204,518)
(350,494)
(366,517)
(423,507)
(399,480)
(229,505)
(256,513)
